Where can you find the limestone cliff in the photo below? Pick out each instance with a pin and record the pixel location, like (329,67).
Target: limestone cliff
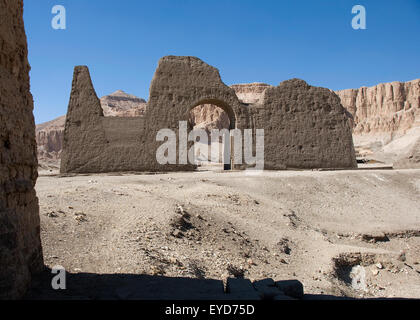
(386,121)
(384,108)
(49,139)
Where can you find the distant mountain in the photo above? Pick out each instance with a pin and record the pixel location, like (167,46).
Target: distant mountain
(121,104)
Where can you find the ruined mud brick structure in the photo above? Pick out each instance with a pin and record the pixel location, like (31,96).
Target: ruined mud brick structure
(20,244)
(304,126)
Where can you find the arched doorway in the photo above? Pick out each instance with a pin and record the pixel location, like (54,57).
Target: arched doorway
(210,115)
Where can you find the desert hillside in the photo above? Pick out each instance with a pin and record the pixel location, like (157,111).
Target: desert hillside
(121,104)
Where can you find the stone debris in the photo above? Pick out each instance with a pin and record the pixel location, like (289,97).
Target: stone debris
(284,247)
(375,237)
(80,217)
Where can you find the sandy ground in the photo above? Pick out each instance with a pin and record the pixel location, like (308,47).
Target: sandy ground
(341,233)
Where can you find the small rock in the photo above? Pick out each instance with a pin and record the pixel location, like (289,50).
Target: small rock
(379,266)
(284,246)
(375,237)
(177,233)
(401,256)
(80,217)
(51,214)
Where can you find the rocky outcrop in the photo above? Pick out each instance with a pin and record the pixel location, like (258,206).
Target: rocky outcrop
(49,139)
(410,157)
(386,121)
(384,108)
(20,244)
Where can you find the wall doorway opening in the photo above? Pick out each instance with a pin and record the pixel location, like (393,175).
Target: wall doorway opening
(216,154)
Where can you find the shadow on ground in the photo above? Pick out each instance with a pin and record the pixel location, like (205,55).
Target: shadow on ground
(90,286)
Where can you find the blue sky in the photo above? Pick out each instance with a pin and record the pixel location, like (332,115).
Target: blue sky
(247,40)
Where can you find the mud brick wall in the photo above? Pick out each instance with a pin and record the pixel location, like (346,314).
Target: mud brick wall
(305,126)
(20,244)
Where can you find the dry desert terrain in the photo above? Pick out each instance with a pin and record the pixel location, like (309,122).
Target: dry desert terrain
(341,233)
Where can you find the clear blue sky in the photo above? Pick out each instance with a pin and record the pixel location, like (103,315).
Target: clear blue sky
(247,40)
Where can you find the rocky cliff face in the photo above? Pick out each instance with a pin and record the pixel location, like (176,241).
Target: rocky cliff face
(385,108)
(386,121)
(49,139)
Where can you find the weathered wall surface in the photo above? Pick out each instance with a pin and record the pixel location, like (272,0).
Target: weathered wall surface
(180,84)
(20,245)
(121,104)
(305,127)
(92,143)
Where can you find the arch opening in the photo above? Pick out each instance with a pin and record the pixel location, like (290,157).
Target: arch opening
(209,115)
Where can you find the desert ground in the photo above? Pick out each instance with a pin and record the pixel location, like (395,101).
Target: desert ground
(351,233)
